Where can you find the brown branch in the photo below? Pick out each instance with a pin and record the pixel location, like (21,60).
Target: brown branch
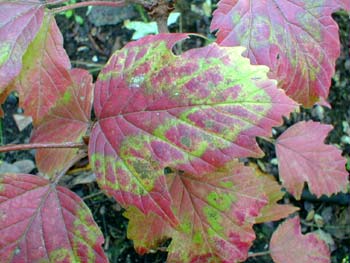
(88,3)
(158,10)
(29,146)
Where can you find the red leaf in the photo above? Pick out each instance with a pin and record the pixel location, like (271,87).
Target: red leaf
(45,75)
(303,157)
(19,23)
(216,211)
(288,245)
(67,121)
(42,222)
(298,40)
(192,112)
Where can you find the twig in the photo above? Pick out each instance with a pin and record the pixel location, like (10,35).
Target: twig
(258,254)
(88,3)
(29,146)
(92,195)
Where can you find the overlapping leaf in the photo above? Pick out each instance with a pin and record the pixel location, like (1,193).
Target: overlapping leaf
(67,121)
(19,23)
(273,211)
(288,245)
(45,74)
(41,222)
(303,157)
(297,39)
(216,212)
(192,112)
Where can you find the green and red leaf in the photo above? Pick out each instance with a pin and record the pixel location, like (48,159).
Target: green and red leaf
(216,213)
(42,222)
(19,23)
(272,211)
(298,40)
(67,121)
(288,245)
(303,157)
(193,112)
(45,75)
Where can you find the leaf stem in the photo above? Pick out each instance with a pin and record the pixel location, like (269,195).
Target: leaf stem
(29,146)
(88,3)
(258,254)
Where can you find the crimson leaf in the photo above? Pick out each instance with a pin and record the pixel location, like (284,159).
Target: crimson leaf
(303,157)
(42,222)
(297,39)
(192,112)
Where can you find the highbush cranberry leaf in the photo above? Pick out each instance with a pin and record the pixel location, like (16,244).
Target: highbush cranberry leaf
(303,157)
(45,74)
(43,222)
(19,23)
(288,245)
(216,211)
(192,112)
(72,112)
(297,39)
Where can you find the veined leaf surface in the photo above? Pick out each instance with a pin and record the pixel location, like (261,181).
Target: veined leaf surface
(216,211)
(19,23)
(192,112)
(288,245)
(67,121)
(303,157)
(297,39)
(42,222)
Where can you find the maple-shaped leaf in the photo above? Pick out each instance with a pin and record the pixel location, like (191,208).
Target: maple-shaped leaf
(297,40)
(192,112)
(19,23)
(42,222)
(216,213)
(45,74)
(303,157)
(67,121)
(288,245)
(272,211)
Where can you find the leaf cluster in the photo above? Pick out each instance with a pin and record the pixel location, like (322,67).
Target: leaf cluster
(169,133)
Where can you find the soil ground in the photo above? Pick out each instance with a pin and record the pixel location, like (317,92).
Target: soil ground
(89,46)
